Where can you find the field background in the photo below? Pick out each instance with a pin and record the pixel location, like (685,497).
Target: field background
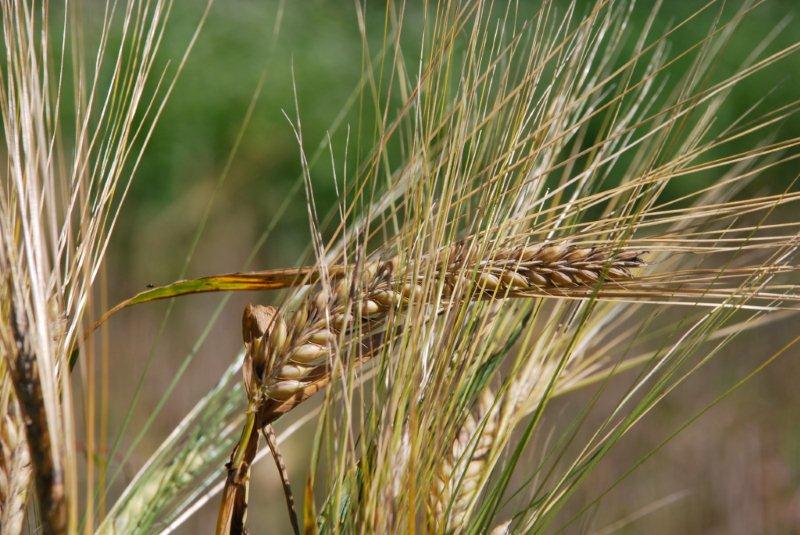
(737,470)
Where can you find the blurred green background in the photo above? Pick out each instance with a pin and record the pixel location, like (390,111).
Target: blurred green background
(737,471)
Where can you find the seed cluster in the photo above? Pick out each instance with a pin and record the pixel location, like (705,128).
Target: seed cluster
(290,356)
(555,266)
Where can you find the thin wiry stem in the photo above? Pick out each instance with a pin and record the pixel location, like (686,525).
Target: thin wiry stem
(272,443)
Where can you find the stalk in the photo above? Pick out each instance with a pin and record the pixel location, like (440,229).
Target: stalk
(233,510)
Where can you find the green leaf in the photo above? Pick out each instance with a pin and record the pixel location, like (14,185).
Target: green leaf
(230,282)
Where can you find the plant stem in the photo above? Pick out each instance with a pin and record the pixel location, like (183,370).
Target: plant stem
(232,511)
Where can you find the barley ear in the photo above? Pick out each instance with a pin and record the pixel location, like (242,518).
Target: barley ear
(286,364)
(301,369)
(27,386)
(15,472)
(461,474)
